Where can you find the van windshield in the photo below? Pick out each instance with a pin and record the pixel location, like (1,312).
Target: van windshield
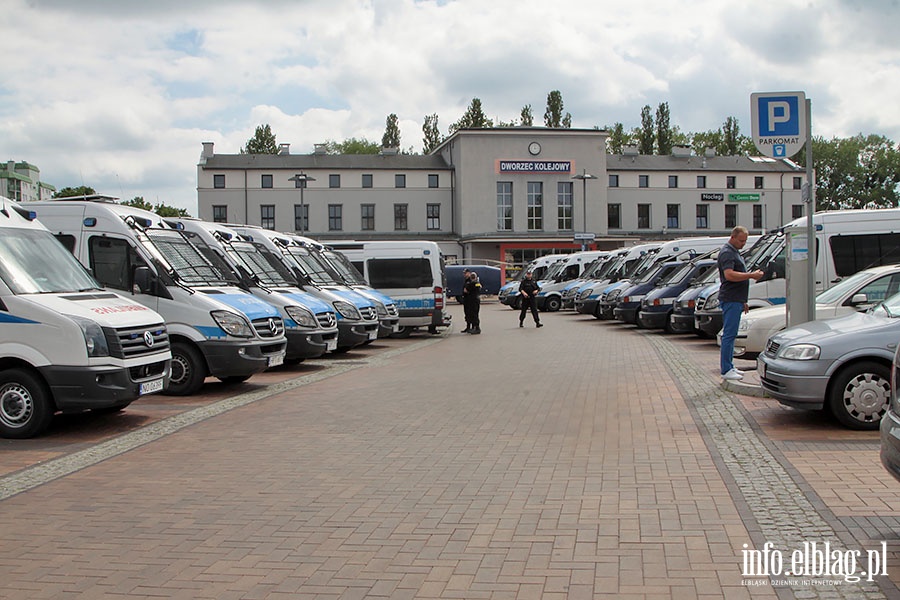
(32,261)
(345,268)
(269,271)
(185,259)
(311,268)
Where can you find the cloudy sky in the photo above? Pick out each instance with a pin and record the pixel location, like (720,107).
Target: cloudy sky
(119,94)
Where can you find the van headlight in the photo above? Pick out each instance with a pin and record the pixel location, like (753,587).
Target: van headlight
(744,324)
(94,339)
(232,324)
(301,316)
(712,302)
(347,310)
(801,352)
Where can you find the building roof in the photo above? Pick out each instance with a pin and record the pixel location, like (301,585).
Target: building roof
(644,162)
(399,162)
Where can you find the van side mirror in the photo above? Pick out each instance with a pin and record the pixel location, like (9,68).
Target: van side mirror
(144,281)
(858,299)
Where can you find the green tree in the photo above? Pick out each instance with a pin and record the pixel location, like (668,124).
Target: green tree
(352,146)
(702,140)
(474,118)
(432,134)
(618,139)
(262,142)
(391,137)
(138,202)
(731,138)
(163,210)
(646,135)
(663,130)
(526,118)
(553,115)
(70,192)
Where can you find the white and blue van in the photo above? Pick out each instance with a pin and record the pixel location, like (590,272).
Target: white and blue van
(215,327)
(66,344)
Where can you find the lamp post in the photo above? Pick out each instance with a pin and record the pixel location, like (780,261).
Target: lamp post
(300,180)
(584,176)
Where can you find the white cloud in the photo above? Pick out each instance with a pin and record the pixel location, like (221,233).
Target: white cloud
(120,95)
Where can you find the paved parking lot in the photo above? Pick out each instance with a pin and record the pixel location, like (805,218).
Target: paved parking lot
(586,459)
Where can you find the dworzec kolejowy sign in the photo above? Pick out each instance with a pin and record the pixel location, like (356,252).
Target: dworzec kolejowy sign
(534,166)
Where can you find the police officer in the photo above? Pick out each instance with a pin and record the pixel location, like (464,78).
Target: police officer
(528,290)
(472,303)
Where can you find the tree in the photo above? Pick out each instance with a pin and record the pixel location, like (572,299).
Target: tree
(432,134)
(70,192)
(262,142)
(646,134)
(706,139)
(526,117)
(553,116)
(162,210)
(663,130)
(391,137)
(473,118)
(618,139)
(731,137)
(352,146)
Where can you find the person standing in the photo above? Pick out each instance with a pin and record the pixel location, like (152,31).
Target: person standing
(472,302)
(734,291)
(528,290)
(466,309)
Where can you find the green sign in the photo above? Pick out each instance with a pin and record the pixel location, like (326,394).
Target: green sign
(743,197)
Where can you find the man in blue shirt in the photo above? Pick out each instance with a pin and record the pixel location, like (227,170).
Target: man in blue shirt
(733,293)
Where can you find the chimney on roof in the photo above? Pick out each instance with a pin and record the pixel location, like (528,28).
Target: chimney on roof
(681,151)
(389,151)
(709,152)
(630,151)
(208,151)
(320,149)
(284,149)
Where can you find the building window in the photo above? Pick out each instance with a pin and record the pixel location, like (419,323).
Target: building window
(673,181)
(301,217)
(703,216)
(643,216)
(433,216)
(731,182)
(399,181)
(758,182)
(701,182)
(334,181)
(564,206)
(796,211)
(613,181)
(730,216)
(220,213)
(433,180)
(672,216)
(757,216)
(266,181)
(219,181)
(367,180)
(368,217)
(400,217)
(798,183)
(504,206)
(643,181)
(267,216)
(335,217)
(535,206)
(614,216)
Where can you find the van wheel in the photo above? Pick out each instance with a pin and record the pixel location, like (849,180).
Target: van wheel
(234,379)
(402,332)
(860,395)
(25,406)
(552,304)
(668,326)
(188,370)
(516,304)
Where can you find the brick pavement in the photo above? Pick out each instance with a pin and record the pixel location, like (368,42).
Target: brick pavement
(564,462)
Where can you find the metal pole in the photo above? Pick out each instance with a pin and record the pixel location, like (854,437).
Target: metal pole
(302,209)
(810,229)
(584,207)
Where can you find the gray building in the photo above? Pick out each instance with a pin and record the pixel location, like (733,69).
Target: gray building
(505,194)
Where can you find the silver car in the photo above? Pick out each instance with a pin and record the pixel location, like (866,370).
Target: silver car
(841,364)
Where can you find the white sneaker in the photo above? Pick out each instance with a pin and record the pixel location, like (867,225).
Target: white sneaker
(738,371)
(733,375)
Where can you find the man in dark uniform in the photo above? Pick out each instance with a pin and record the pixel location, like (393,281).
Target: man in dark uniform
(733,293)
(529,289)
(472,302)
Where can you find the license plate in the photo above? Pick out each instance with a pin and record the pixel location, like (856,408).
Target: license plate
(373,335)
(277,360)
(395,327)
(331,345)
(150,387)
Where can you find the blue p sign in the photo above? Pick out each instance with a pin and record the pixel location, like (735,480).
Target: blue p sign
(779,115)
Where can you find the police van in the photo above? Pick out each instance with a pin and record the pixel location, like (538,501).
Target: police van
(215,327)
(550,298)
(410,272)
(66,344)
(509,293)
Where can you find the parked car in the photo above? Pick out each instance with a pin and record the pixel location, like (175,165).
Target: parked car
(682,318)
(890,424)
(658,305)
(841,364)
(859,292)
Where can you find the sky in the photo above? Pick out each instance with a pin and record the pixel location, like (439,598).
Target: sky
(119,95)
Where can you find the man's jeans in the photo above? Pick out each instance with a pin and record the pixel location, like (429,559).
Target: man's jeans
(731,317)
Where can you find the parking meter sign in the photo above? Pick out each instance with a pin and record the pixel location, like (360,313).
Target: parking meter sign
(778,122)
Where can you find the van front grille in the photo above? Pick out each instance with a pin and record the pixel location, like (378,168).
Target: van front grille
(131,342)
(268,327)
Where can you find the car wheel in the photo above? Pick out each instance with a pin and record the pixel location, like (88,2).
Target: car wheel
(516,304)
(552,304)
(25,406)
(402,332)
(860,395)
(668,328)
(188,370)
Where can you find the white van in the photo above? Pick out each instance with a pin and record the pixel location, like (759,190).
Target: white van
(66,344)
(410,272)
(509,293)
(215,327)
(310,324)
(550,297)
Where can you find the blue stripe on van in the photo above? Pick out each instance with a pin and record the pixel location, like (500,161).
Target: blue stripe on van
(8,318)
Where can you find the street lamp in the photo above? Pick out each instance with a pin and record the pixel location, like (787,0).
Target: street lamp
(584,176)
(300,180)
